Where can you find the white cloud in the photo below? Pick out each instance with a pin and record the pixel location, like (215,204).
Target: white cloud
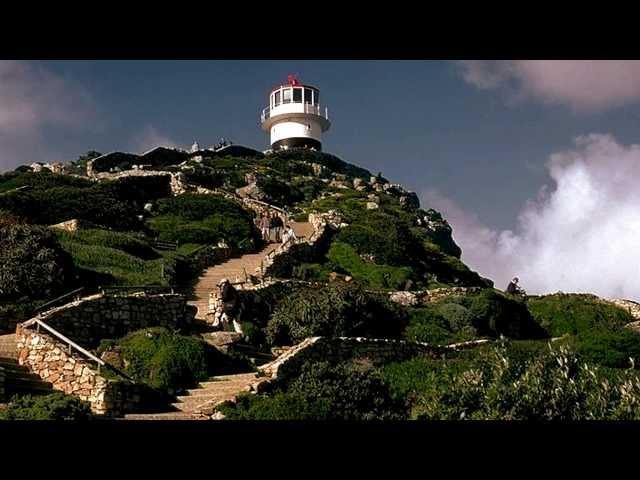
(580,235)
(582,85)
(32,98)
(148,138)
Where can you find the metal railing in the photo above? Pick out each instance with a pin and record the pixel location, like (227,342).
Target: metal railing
(307,108)
(71,345)
(55,301)
(143,288)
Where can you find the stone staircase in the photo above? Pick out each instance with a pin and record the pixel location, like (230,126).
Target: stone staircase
(18,379)
(234,270)
(199,403)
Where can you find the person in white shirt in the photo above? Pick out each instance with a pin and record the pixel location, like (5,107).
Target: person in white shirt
(288,235)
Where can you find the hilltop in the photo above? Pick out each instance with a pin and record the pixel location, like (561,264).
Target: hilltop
(371,263)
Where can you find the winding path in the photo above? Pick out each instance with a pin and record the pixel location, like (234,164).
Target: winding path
(234,270)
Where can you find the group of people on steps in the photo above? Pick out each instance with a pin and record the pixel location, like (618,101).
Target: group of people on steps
(273,229)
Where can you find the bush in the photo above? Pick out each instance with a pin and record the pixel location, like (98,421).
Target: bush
(385,237)
(33,263)
(96,203)
(323,392)
(608,347)
(555,386)
(335,310)
(496,314)
(572,314)
(55,406)
(164,360)
(203,219)
(440,324)
(375,276)
(427,325)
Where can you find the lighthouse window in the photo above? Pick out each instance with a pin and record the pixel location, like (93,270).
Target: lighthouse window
(297,95)
(286,95)
(276,99)
(316,99)
(307,95)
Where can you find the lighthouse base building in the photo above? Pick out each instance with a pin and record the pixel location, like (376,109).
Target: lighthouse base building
(294,117)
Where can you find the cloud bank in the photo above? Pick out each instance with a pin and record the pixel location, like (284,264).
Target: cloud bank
(582,85)
(581,234)
(32,98)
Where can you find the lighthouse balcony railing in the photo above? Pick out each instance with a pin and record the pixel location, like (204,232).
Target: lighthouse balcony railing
(307,108)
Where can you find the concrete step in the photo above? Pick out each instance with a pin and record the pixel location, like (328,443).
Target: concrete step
(163,416)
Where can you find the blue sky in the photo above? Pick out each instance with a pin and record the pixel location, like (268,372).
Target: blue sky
(477,134)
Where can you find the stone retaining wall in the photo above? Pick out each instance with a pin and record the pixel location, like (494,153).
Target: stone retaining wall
(67,372)
(334,350)
(97,317)
(177,181)
(74,374)
(421,297)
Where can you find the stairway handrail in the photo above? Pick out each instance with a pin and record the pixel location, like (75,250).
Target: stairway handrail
(71,344)
(56,300)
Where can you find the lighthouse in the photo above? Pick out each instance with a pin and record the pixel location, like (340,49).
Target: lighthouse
(295,118)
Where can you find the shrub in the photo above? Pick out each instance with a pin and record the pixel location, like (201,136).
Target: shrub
(334,310)
(33,263)
(164,360)
(555,386)
(440,324)
(55,406)
(384,236)
(323,392)
(427,325)
(203,219)
(572,314)
(608,347)
(375,276)
(496,314)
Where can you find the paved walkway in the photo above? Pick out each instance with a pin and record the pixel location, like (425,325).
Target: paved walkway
(234,270)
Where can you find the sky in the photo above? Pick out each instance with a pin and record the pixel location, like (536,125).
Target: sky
(534,163)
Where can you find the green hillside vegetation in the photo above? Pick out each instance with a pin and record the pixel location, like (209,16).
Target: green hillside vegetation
(597,329)
(563,356)
(111,258)
(169,362)
(203,219)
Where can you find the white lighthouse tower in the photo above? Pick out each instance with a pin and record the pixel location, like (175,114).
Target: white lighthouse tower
(294,117)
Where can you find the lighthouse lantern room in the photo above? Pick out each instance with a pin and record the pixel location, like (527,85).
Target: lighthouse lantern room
(295,117)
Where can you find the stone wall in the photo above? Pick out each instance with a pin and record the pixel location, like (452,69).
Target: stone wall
(74,374)
(67,372)
(97,317)
(176,180)
(335,350)
(422,297)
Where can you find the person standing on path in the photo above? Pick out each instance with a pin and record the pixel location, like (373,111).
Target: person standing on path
(264,227)
(276,225)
